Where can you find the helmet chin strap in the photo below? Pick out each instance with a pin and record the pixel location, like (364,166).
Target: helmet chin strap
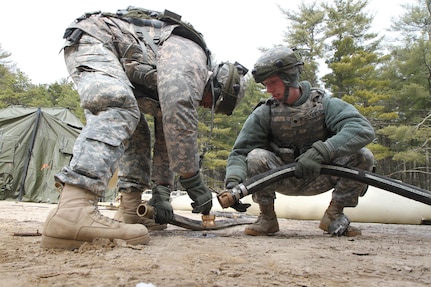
(288,84)
(286,91)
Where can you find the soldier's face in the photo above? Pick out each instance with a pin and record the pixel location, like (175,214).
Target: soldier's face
(275,86)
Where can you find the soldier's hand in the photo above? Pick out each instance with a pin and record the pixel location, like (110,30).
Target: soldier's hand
(309,164)
(163,211)
(203,203)
(199,193)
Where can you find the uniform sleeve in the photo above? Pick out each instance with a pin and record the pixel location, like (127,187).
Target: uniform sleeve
(254,134)
(351,130)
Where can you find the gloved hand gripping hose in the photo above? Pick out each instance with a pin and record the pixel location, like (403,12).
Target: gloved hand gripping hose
(257,182)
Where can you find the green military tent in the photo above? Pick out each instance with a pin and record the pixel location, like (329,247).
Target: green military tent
(35,143)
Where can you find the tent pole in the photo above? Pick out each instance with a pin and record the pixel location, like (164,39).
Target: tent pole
(29,153)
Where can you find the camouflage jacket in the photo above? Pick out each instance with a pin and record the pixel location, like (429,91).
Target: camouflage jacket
(133,35)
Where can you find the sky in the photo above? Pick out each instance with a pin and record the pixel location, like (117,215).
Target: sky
(234,30)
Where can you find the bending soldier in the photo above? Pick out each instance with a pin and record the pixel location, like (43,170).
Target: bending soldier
(115,73)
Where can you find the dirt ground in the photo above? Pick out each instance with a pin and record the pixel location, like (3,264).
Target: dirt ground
(299,255)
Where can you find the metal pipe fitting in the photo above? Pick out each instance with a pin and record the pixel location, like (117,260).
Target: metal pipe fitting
(208,220)
(145,210)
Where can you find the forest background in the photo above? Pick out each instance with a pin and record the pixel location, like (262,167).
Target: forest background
(388,81)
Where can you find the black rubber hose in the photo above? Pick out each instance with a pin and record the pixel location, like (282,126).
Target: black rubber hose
(264,179)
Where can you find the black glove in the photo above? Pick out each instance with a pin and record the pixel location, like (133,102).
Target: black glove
(238,205)
(199,193)
(309,163)
(163,211)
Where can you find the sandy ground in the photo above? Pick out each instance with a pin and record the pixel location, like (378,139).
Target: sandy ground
(299,255)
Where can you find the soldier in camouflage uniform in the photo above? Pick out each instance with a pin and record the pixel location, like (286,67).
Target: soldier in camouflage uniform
(115,74)
(303,124)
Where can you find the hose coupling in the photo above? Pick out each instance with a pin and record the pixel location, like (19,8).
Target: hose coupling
(230,196)
(208,220)
(145,210)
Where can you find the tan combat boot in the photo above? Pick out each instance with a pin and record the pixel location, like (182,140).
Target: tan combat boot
(335,212)
(76,220)
(129,202)
(266,222)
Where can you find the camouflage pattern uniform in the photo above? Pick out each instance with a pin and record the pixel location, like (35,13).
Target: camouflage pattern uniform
(182,76)
(275,134)
(116,133)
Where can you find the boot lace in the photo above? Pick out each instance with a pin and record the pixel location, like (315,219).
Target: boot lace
(98,216)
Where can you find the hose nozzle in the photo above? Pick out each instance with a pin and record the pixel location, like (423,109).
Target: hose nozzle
(226,199)
(229,197)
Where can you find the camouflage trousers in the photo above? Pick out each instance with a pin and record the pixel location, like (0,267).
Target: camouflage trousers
(139,167)
(346,191)
(182,74)
(111,111)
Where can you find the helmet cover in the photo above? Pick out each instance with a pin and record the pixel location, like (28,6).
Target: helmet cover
(229,86)
(277,60)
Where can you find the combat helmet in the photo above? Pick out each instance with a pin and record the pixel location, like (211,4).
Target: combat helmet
(228,86)
(280,61)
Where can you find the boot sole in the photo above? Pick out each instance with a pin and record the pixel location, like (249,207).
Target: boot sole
(351,231)
(144,239)
(51,242)
(252,232)
(156,227)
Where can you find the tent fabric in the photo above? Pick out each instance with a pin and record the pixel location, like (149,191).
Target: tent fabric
(35,143)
